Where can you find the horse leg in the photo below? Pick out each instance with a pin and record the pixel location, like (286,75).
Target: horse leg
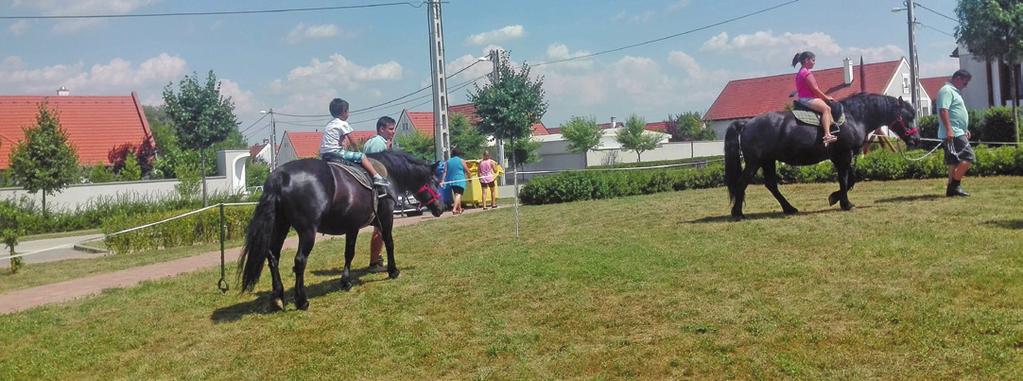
(306,239)
(740,188)
(843,163)
(771,182)
(346,274)
(274,260)
(386,228)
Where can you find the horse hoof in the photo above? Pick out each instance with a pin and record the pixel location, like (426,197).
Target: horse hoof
(302,305)
(791,211)
(393,273)
(847,206)
(738,217)
(278,304)
(832,199)
(346,285)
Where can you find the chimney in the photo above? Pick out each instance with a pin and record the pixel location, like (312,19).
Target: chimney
(847,71)
(63,92)
(613,122)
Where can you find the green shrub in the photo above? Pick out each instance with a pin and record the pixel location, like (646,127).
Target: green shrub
(878,165)
(996,126)
(202,227)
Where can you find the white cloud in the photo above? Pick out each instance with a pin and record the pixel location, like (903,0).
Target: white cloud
(941,67)
(118,76)
(507,33)
(768,47)
(684,61)
(306,87)
(559,51)
(677,5)
(243,100)
(301,32)
(634,18)
(82,7)
(19,27)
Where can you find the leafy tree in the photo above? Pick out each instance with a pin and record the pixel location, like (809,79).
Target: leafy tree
(45,161)
(98,174)
(202,117)
(510,105)
(633,137)
(416,144)
(583,134)
(10,230)
(466,137)
(688,126)
(993,29)
(131,170)
(256,172)
(523,151)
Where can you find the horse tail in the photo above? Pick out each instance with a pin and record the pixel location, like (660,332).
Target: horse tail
(260,232)
(733,157)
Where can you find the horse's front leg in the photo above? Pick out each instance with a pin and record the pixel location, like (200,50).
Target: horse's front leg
(346,274)
(306,239)
(843,163)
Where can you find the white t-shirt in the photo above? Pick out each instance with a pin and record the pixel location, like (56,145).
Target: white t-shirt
(332,134)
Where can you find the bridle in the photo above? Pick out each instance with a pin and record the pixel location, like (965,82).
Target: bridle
(902,126)
(434,196)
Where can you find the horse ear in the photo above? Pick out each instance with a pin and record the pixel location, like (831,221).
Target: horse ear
(901,101)
(433,167)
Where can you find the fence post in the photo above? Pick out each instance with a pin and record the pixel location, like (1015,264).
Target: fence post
(222,284)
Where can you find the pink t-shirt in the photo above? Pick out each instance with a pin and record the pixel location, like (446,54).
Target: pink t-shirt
(803,84)
(486,171)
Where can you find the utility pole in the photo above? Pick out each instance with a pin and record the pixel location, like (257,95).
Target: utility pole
(442,144)
(495,75)
(913,70)
(273,139)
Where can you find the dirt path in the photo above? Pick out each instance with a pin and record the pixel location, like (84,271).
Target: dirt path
(24,299)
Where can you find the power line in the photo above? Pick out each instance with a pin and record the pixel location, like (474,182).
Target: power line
(936,29)
(253,124)
(211,13)
(936,12)
(647,42)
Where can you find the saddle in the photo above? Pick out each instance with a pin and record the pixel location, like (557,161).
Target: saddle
(361,176)
(807,116)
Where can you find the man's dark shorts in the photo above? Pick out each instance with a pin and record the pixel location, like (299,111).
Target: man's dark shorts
(958,150)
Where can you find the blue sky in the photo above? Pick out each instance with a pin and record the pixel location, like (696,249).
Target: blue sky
(296,62)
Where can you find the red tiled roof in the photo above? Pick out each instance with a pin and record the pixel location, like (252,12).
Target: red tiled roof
(932,85)
(307,144)
(657,126)
(744,98)
(254,150)
(93,124)
(423,120)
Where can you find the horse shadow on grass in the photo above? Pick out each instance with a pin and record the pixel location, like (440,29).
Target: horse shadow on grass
(1007,224)
(261,304)
(767,215)
(918,197)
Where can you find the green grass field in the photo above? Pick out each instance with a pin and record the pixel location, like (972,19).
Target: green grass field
(908,285)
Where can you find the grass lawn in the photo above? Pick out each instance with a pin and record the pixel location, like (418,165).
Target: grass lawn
(908,285)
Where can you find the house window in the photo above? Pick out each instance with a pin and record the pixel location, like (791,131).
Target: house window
(905,83)
(404,126)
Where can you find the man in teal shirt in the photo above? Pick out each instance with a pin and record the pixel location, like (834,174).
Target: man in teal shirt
(953,128)
(379,143)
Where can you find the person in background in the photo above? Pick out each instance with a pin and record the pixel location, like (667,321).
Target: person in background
(379,143)
(487,170)
(953,127)
(455,174)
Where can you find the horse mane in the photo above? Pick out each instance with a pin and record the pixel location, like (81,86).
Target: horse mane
(404,168)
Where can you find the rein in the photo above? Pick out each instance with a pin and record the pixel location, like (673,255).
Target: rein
(433,194)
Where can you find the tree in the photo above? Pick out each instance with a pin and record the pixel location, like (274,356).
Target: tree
(44,161)
(993,29)
(523,151)
(466,137)
(131,170)
(10,230)
(633,137)
(511,104)
(416,144)
(583,134)
(202,117)
(688,126)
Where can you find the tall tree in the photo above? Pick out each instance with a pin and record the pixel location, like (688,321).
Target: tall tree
(583,134)
(202,116)
(993,29)
(688,126)
(416,144)
(44,161)
(511,104)
(466,137)
(633,137)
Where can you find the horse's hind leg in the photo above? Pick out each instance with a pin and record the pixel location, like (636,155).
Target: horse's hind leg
(280,232)
(306,239)
(346,274)
(740,189)
(771,182)
(844,165)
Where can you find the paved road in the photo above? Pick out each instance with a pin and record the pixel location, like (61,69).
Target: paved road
(55,249)
(23,299)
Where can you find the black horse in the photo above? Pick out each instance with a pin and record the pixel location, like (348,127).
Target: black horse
(777,136)
(313,196)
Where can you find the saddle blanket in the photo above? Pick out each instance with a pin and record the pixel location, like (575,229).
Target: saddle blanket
(813,118)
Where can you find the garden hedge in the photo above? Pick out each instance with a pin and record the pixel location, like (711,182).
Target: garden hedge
(877,165)
(195,229)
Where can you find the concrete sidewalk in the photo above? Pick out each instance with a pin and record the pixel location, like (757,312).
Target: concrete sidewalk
(53,249)
(24,299)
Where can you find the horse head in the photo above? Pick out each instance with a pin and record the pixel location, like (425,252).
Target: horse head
(428,195)
(903,123)
(413,175)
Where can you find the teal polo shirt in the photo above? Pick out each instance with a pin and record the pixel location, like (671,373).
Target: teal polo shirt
(950,99)
(375,144)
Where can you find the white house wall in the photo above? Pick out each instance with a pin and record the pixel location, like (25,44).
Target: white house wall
(897,89)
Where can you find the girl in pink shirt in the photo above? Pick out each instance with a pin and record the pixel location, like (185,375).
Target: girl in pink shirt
(486,173)
(811,95)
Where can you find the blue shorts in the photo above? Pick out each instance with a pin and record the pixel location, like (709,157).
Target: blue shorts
(339,155)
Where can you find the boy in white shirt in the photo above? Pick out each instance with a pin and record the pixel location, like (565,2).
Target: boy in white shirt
(332,146)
